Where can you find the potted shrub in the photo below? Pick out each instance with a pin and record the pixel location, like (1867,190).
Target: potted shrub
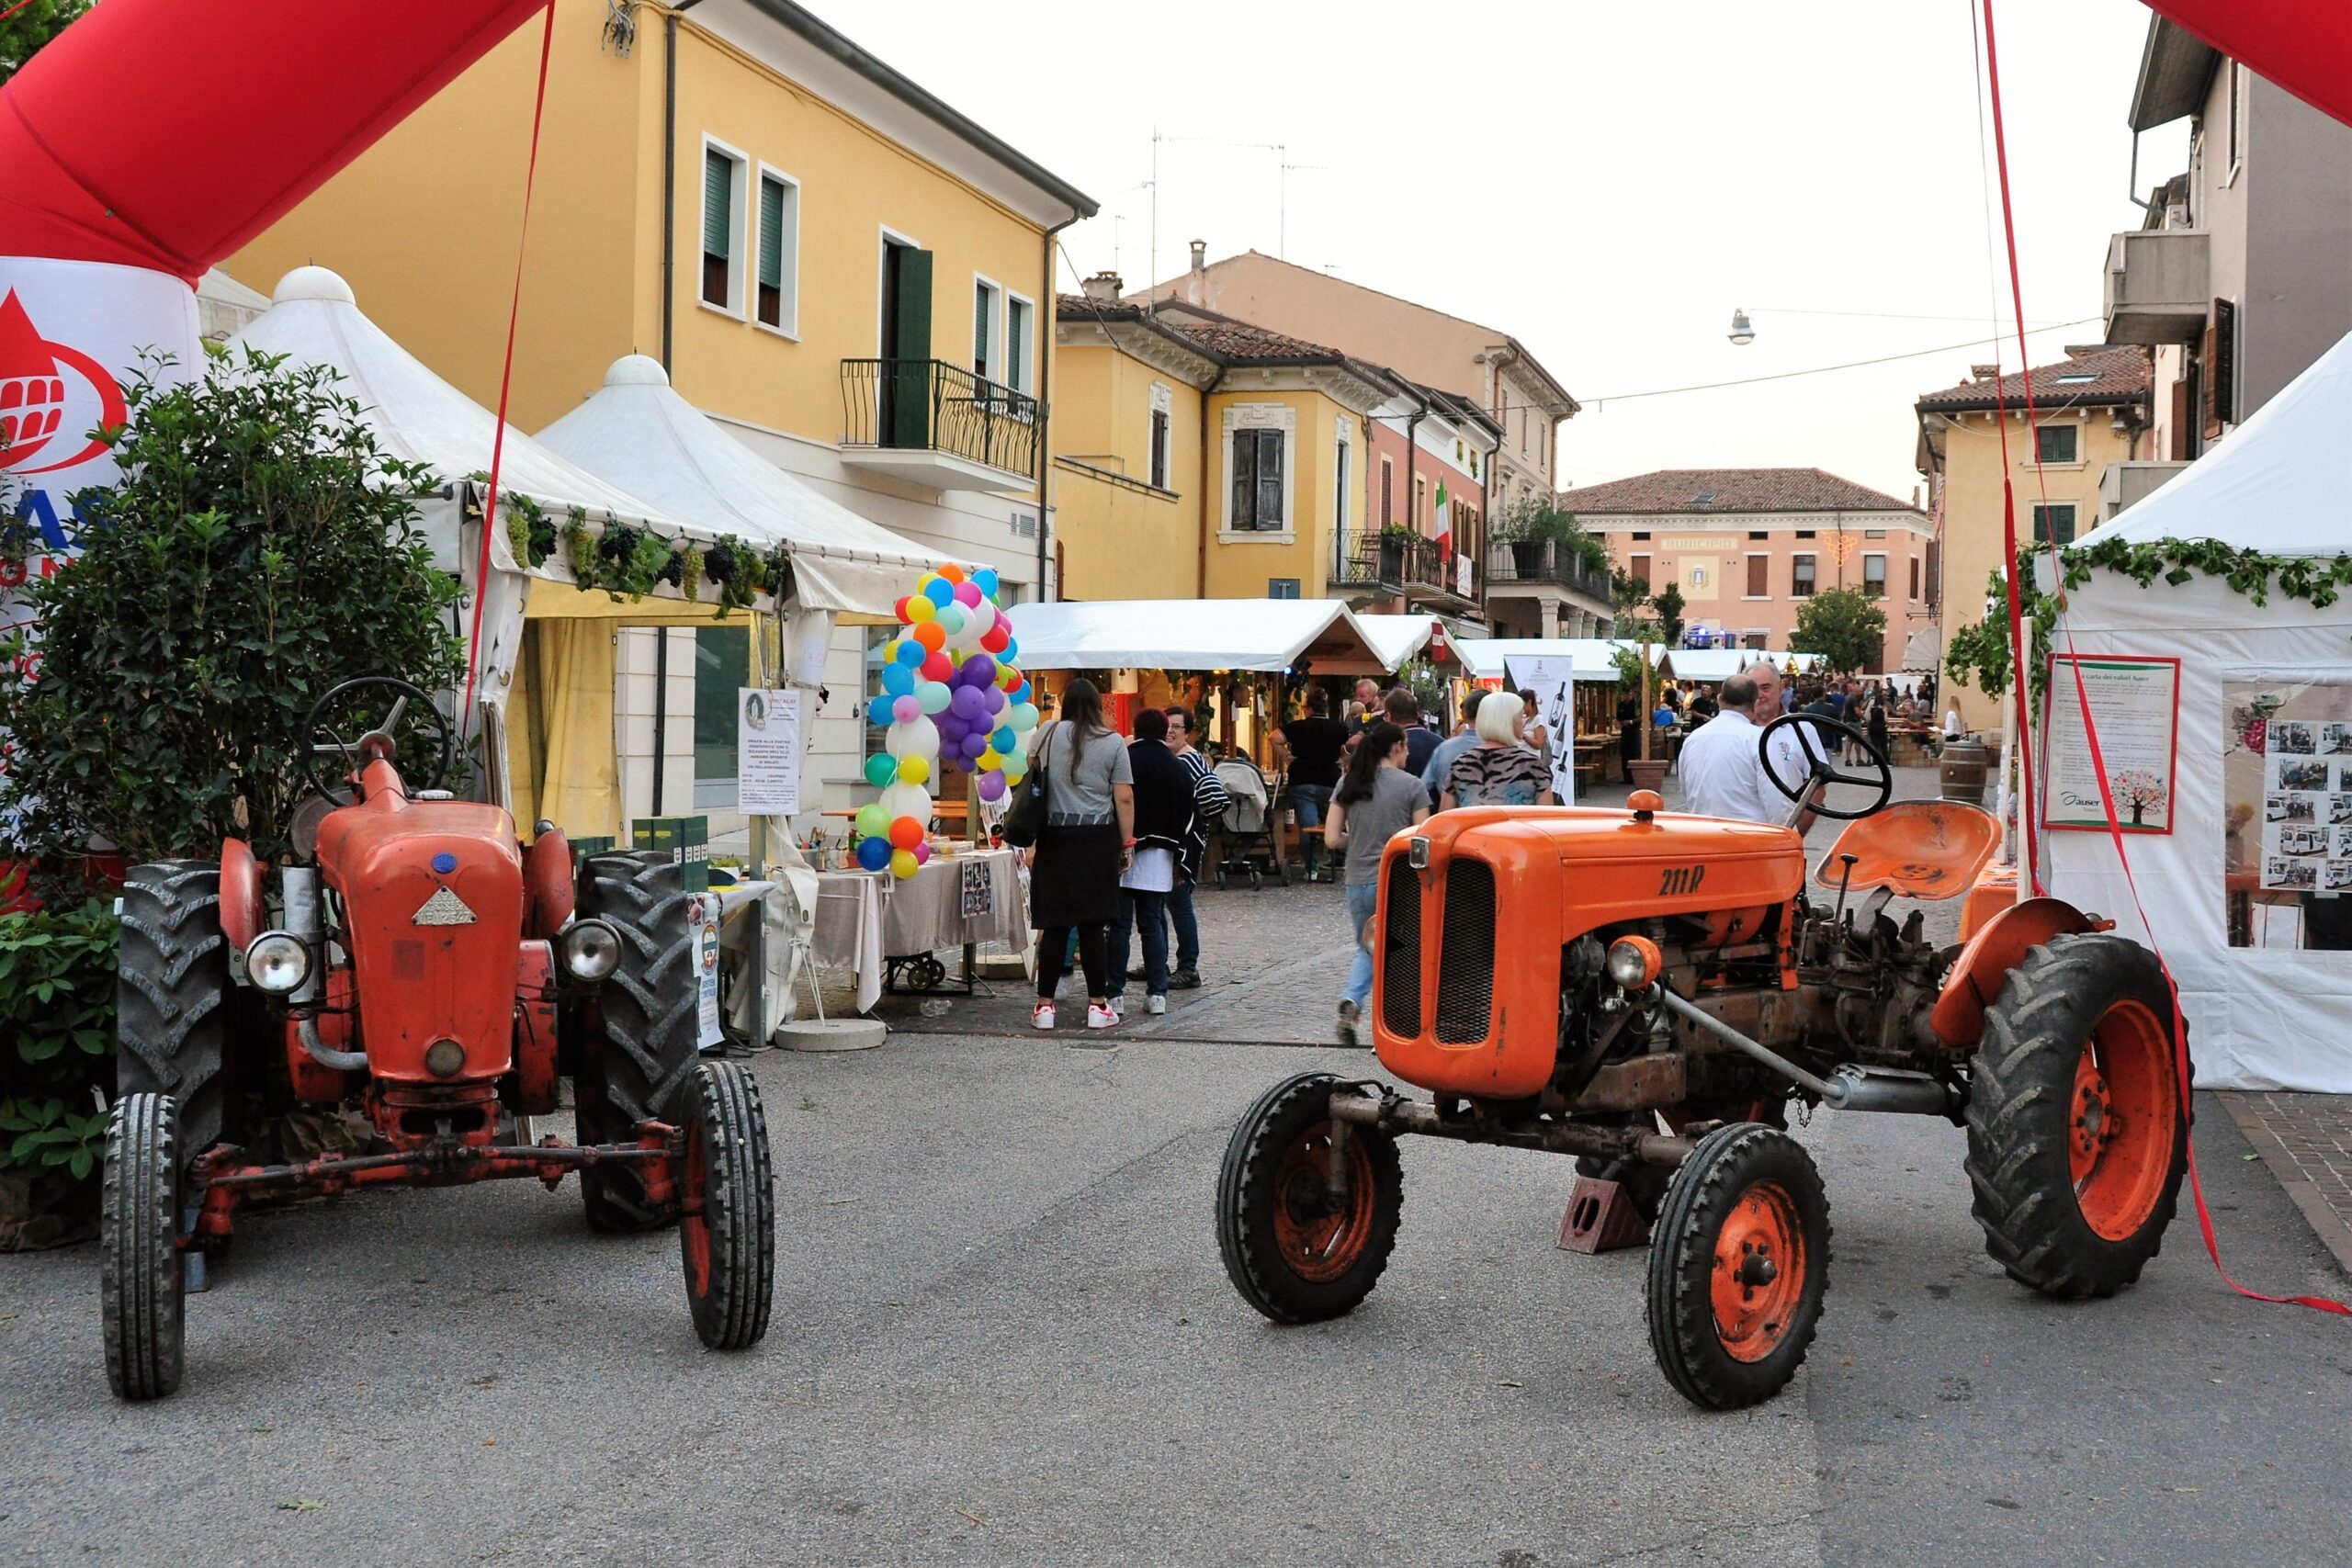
(1394,540)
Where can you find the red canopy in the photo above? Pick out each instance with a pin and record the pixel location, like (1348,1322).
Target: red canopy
(164,134)
(2305,45)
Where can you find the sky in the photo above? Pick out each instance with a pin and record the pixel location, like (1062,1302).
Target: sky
(1605,183)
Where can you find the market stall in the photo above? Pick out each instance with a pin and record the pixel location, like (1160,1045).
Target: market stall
(1594,694)
(2224,725)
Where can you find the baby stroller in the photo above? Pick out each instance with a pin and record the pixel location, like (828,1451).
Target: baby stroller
(1247,844)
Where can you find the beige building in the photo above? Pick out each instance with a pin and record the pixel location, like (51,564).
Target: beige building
(2091,413)
(1490,368)
(1748,547)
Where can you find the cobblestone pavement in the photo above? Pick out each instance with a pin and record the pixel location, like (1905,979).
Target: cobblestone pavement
(2305,1140)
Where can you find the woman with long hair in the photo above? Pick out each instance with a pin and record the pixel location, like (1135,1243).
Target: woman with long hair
(1377,799)
(1088,837)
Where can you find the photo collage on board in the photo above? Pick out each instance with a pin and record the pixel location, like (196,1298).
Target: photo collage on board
(2307,806)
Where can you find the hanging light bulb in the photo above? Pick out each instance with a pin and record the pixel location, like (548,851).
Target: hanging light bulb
(1743,331)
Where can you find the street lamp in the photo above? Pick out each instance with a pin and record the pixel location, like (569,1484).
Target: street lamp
(1743,331)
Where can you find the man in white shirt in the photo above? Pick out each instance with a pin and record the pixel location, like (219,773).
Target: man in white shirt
(1721,768)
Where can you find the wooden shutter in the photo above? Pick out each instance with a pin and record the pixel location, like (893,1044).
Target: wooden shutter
(770,253)
(906,340)
(1245,478)
(2184,443)
(2222,367)
(1759,576)
(1270,479)
(718,203)
(1159,448)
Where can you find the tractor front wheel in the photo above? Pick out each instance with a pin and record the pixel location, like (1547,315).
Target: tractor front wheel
(2077,1133)
(638,1044)
(1295,1251)
(726,1227)
(1740,1259)
(172,998)
(140,1296)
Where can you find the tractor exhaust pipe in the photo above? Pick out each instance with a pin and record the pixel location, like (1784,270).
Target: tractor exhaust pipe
(1848,1089)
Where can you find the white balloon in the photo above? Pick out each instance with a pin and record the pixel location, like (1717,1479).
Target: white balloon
(920,739)
(907,800)
(979,617)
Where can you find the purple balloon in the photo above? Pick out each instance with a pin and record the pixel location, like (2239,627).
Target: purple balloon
(969,704)
(980,670)
(975,744)
(998,701)
(991,786)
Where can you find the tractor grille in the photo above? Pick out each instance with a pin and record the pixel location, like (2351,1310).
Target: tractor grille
(1465,960)
(1400,951)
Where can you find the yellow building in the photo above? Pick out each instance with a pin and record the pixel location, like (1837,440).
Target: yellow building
(842,271)
(2091,411)
(1199,456)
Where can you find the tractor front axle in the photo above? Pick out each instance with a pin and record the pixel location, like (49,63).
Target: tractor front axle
(1393,1112)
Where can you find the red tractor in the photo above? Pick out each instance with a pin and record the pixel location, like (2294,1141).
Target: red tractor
(424,966)
(1649,993)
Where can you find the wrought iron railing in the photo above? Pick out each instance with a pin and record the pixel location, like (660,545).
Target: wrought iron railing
(1546,561)
(1390,561)
(930,405)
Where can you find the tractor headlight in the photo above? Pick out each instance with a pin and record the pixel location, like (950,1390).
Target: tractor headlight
(277,962)
(590,949)
(1634,961)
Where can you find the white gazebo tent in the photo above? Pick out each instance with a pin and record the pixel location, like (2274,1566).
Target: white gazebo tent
(2266,1015)
(1263,634)
(1397,640)
(1713,665)
(1594,657)
(571,772)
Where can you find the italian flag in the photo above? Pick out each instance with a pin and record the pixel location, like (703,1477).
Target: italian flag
(1445,525)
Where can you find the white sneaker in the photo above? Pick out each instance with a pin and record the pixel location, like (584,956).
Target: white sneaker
(1155,1005)
(1100,1018)
(1042,1016)
(1119,1004)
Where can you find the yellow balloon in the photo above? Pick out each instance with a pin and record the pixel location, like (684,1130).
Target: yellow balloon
(920,609)
(989,759)
(913,770)
(902,863)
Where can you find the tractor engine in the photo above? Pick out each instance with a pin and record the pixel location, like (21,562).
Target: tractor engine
(1866,988)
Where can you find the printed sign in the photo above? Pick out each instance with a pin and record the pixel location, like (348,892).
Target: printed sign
(1552,680)
(979,889)
(767,751)
(702,918)
(2134,705)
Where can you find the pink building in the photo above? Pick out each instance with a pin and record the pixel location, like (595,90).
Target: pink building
(1748,547)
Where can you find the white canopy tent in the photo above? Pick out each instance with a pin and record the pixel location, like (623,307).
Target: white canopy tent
(640,434)
(1594,657)
(1270,635)
(2259,961)
(1396,639)
(1715,665)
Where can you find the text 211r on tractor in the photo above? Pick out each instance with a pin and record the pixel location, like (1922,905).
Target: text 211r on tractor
(426,966)
(1649,992)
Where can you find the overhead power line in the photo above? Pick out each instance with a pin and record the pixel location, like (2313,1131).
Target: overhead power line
(1825,369)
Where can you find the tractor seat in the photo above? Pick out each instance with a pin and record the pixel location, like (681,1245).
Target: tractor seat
(1921,849)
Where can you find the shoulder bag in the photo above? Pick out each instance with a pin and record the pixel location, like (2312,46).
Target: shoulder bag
(1025,820)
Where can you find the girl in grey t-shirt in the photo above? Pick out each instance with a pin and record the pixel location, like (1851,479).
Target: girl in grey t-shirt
(1375,799)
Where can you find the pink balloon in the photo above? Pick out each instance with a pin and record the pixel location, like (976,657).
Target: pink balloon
(968,592)
(906,710)
(922,852)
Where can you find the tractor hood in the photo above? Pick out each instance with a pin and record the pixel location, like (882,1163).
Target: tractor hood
(433,917)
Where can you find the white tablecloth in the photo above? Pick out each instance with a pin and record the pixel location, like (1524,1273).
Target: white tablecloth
(863,917)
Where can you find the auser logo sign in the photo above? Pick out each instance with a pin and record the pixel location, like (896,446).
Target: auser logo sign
(35,435)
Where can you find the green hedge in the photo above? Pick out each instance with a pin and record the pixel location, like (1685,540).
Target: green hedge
(57,978)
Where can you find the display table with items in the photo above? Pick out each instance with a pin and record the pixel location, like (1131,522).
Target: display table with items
(889,931)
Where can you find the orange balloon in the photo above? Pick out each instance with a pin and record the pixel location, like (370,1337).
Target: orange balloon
(931,634)
(951,572)
(906,832)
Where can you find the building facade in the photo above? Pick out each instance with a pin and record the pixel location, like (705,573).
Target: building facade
(1482,366)
(846,274)
(2240,274)
(2091,420)
(1748,547)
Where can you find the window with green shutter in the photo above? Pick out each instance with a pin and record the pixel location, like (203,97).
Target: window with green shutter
(779,245)
(717,228)
(984,364)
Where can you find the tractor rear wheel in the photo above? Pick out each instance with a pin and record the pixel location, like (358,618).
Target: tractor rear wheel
(2077,1133)
(637,1035)
(173,999)
(726,1227)
(139,1297)
(1293,1253)
(1739,1261)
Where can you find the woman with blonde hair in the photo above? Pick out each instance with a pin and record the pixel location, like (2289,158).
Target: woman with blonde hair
(1500,770)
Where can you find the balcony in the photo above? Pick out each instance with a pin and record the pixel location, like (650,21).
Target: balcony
(938,424)
(2158,286)
(1533,562)
(1413,566)
(2124,485)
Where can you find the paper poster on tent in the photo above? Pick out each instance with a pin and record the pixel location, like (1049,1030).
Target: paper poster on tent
(767,751)
(2135,711)
(1552,677)
(2287,787)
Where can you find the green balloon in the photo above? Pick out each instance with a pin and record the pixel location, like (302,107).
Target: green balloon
(872,820)
(881,771)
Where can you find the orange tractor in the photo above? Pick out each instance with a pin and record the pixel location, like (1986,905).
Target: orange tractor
(1649,992)
(415,959)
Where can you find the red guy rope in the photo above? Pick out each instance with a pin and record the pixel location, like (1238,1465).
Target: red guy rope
(506,377)
(2098,759)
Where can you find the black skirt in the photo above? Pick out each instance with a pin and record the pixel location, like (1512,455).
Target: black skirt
(1075,879)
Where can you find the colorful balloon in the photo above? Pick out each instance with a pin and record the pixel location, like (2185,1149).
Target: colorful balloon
(910,652)
(1016,766)
(937,667)
(933,696)
(914,770)
(968,592)
(990,760)
(906,800)
(931,635)
(916,737)
(951,620)
(903,864)
(874,853)
(991,786)
(872,820)
(879,710)
(996,638)
(939,591)
(906,832)
(951,573)
(923,852)
(906,710)
(1022,716)
(880,769)
(920,609)
(1004,739)
(987,579)
(898,680)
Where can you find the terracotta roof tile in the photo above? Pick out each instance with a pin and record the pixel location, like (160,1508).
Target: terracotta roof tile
(1730,489)
(2118,375)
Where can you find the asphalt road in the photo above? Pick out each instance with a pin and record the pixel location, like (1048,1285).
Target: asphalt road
(1002,1336)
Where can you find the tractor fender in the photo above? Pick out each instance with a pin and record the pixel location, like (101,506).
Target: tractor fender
(1983,967)
(548,885)
(242,906)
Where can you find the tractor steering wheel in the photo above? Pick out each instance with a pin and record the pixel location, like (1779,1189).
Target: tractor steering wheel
(372,708)
(1818,772)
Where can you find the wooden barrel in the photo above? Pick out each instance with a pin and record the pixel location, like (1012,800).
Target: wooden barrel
(1964,772)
